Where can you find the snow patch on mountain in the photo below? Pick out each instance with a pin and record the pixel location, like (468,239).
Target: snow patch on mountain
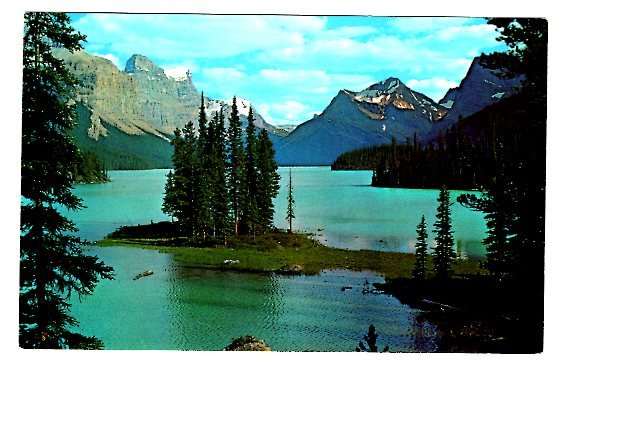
(448,104)
(178,73)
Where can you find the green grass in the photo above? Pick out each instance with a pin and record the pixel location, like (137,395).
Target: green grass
(277,251)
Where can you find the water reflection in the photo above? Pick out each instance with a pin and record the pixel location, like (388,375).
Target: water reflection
(190,308)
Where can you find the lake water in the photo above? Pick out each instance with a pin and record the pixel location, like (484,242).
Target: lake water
(185,308)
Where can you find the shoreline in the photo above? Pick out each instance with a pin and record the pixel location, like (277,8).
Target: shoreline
(277,251)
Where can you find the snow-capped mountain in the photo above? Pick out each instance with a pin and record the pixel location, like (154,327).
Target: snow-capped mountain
(361,119)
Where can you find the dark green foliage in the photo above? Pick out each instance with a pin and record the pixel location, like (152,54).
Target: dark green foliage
(421,250)
(52,263)
(290,208)
(204,174)
(371,342)
(514,199)
(249,213)
(236,167)
(268,181)
(202,192)
(527,42)
(180,190)
(89,169)
(361,159)
(443,251)
(221,200)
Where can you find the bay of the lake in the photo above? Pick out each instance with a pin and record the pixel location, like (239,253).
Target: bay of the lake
(185,308)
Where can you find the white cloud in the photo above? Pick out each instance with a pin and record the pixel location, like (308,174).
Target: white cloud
(113,58)
(472,31)
(435,87)
(285,112)
(194,36)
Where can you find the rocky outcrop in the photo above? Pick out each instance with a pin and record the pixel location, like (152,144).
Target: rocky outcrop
(144,98)
(165,102)
(247,343)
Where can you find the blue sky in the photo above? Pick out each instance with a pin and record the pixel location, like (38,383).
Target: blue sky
(290,67)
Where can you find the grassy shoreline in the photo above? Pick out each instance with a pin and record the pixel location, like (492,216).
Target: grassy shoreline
(278,251)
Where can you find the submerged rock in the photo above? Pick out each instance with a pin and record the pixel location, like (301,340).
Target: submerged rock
(247,343)
(147,272)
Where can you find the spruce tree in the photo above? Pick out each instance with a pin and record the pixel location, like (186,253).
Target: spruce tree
(221,199)
(180,190)
(205,173)
(236,155)
(53,265)
(290,208)
(421,250)
(249,216)
(268,181)
(443,252)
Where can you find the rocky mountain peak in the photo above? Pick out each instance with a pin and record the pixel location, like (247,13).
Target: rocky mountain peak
(392,92)
(140,64)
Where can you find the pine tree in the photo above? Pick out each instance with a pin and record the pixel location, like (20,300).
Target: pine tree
(236,166)
(205,173)
(53,265)
(443,252)
(421,250)
(249,217)
(169,200)
(221,200)
(180,190)
(268,181)
(290,208)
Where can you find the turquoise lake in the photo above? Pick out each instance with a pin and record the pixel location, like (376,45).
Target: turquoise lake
(185,308)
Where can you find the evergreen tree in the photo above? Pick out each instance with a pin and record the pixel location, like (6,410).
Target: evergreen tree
(205,173)
(290,208)
(421,250)
(236,166)
(169,200)
(221,199)
(527,42)
(249,216)
(268,181)
(53,265)
(443,252)
(179,200)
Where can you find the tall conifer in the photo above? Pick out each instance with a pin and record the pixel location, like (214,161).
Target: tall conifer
(53,265)
(290,208)
(443,252)
(222,220)
(205,173)
(249,215)
(268,181)
(236,166)
(421,250)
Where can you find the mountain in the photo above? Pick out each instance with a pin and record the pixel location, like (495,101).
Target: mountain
(128,117)
(480,88)
(354,120)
